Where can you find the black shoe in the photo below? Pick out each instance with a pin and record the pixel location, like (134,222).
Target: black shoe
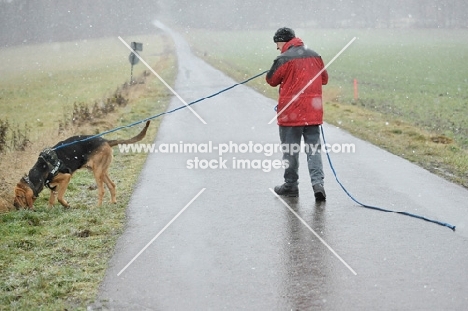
(287,190)
(319,192)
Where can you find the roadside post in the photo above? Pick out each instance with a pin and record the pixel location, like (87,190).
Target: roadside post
(356,96)
(133,59)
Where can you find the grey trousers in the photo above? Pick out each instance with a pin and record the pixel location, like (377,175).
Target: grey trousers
(290,137)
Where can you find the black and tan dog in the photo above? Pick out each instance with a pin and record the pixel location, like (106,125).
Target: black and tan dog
(55,167)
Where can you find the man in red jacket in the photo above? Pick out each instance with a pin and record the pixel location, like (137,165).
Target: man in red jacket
(300,74)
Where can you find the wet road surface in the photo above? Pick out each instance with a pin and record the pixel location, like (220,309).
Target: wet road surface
(238,246)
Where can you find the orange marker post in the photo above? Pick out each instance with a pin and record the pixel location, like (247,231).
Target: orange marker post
(355,90)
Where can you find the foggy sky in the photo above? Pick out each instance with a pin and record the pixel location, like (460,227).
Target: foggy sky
(31,21)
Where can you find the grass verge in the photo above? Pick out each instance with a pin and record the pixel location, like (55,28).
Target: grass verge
(55,258)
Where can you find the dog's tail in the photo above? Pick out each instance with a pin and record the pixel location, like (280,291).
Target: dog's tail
(132,140)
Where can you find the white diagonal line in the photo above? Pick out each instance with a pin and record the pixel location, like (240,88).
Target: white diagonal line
(312,80)
(162,80)
(311,230)
(160,232)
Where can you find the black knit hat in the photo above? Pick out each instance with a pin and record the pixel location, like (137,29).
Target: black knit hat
(284,34)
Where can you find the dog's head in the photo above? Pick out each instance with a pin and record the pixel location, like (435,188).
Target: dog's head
(24,196)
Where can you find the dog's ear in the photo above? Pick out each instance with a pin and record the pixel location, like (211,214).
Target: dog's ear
(19,200)
(24,196)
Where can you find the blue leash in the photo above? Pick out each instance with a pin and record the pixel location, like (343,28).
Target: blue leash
(321,128)
(160,114)
(375,207)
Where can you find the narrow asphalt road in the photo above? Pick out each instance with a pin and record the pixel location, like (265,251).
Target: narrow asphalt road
(238,246)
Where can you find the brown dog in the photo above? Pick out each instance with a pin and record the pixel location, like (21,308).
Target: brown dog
(55,167)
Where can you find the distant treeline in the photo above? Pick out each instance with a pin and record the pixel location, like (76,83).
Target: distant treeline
(32,21)
(239,14)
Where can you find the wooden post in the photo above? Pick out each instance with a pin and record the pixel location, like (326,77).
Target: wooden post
(356,96)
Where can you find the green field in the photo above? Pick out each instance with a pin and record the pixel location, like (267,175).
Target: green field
(415,75)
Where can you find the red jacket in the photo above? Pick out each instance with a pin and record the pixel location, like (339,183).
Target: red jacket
(293,70)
